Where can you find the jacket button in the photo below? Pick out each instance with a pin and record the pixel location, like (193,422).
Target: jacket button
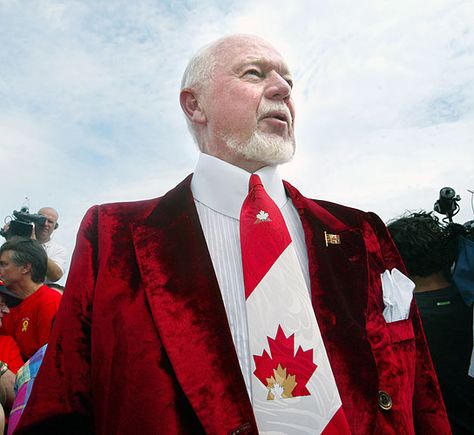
(385,401)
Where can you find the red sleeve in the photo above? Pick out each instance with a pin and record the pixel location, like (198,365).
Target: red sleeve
(11,354)
(14,359)
(46,316)
(60,401)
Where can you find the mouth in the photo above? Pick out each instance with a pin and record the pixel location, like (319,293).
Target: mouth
(278,115)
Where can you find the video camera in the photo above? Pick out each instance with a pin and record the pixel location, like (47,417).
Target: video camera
(21,223)
(447,203)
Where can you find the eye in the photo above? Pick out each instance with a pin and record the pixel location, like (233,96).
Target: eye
(253,72)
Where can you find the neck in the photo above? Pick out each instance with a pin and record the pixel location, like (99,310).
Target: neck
(23,290)
(432,282)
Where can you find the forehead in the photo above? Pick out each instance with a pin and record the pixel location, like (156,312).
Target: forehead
(234,53)
(49,213)
(5,255)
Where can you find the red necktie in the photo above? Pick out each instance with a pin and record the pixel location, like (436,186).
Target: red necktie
(293,388)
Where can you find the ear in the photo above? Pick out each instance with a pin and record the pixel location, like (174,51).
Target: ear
(26,268)
(191,106)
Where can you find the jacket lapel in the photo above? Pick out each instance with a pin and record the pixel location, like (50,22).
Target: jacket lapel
(340,292)
(188,312)
(337,263)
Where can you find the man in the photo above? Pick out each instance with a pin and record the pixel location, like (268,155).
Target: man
(429,250)
(23,265)
(152,334)
(56,253)
(10,361)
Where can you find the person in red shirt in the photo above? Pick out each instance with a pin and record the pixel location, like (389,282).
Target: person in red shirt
(10,362)
(9,352)
(23,265)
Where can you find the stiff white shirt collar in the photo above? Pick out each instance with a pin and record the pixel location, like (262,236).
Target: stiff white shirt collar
(223,187)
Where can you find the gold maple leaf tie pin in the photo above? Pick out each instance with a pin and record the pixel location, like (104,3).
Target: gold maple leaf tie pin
(331,239)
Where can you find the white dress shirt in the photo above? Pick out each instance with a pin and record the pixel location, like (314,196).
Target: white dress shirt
(219,190)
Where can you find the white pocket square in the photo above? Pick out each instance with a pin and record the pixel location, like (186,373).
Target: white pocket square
(397,295)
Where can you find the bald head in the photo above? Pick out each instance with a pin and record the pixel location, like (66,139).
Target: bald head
(199,70)
(43,232)
(48,210)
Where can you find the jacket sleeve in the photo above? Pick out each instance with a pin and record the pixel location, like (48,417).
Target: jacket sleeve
(60,401)
(429,412)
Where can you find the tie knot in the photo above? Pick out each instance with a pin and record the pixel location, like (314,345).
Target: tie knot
(254,182)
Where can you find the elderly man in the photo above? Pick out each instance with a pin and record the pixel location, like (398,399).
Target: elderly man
(195,312)
(56,253)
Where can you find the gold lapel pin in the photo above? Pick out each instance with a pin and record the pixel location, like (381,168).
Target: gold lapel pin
(332,239)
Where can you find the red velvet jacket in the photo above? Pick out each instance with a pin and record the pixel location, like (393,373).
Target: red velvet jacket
(141,343)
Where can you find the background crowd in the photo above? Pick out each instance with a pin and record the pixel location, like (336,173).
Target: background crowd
(29,300)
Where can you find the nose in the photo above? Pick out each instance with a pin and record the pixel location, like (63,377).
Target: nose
(278,88)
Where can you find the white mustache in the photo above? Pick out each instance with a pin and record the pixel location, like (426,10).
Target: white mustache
(270,108)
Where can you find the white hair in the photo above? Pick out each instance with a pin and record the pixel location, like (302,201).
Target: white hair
(197,75)
(200,67)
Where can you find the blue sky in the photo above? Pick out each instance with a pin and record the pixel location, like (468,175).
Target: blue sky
(89,109)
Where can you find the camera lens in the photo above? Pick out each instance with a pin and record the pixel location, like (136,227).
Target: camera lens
(447,193)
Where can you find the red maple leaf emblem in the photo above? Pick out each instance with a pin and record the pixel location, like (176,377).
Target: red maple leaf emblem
(285,364)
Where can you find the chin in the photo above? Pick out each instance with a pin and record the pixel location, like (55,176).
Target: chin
(268,149)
